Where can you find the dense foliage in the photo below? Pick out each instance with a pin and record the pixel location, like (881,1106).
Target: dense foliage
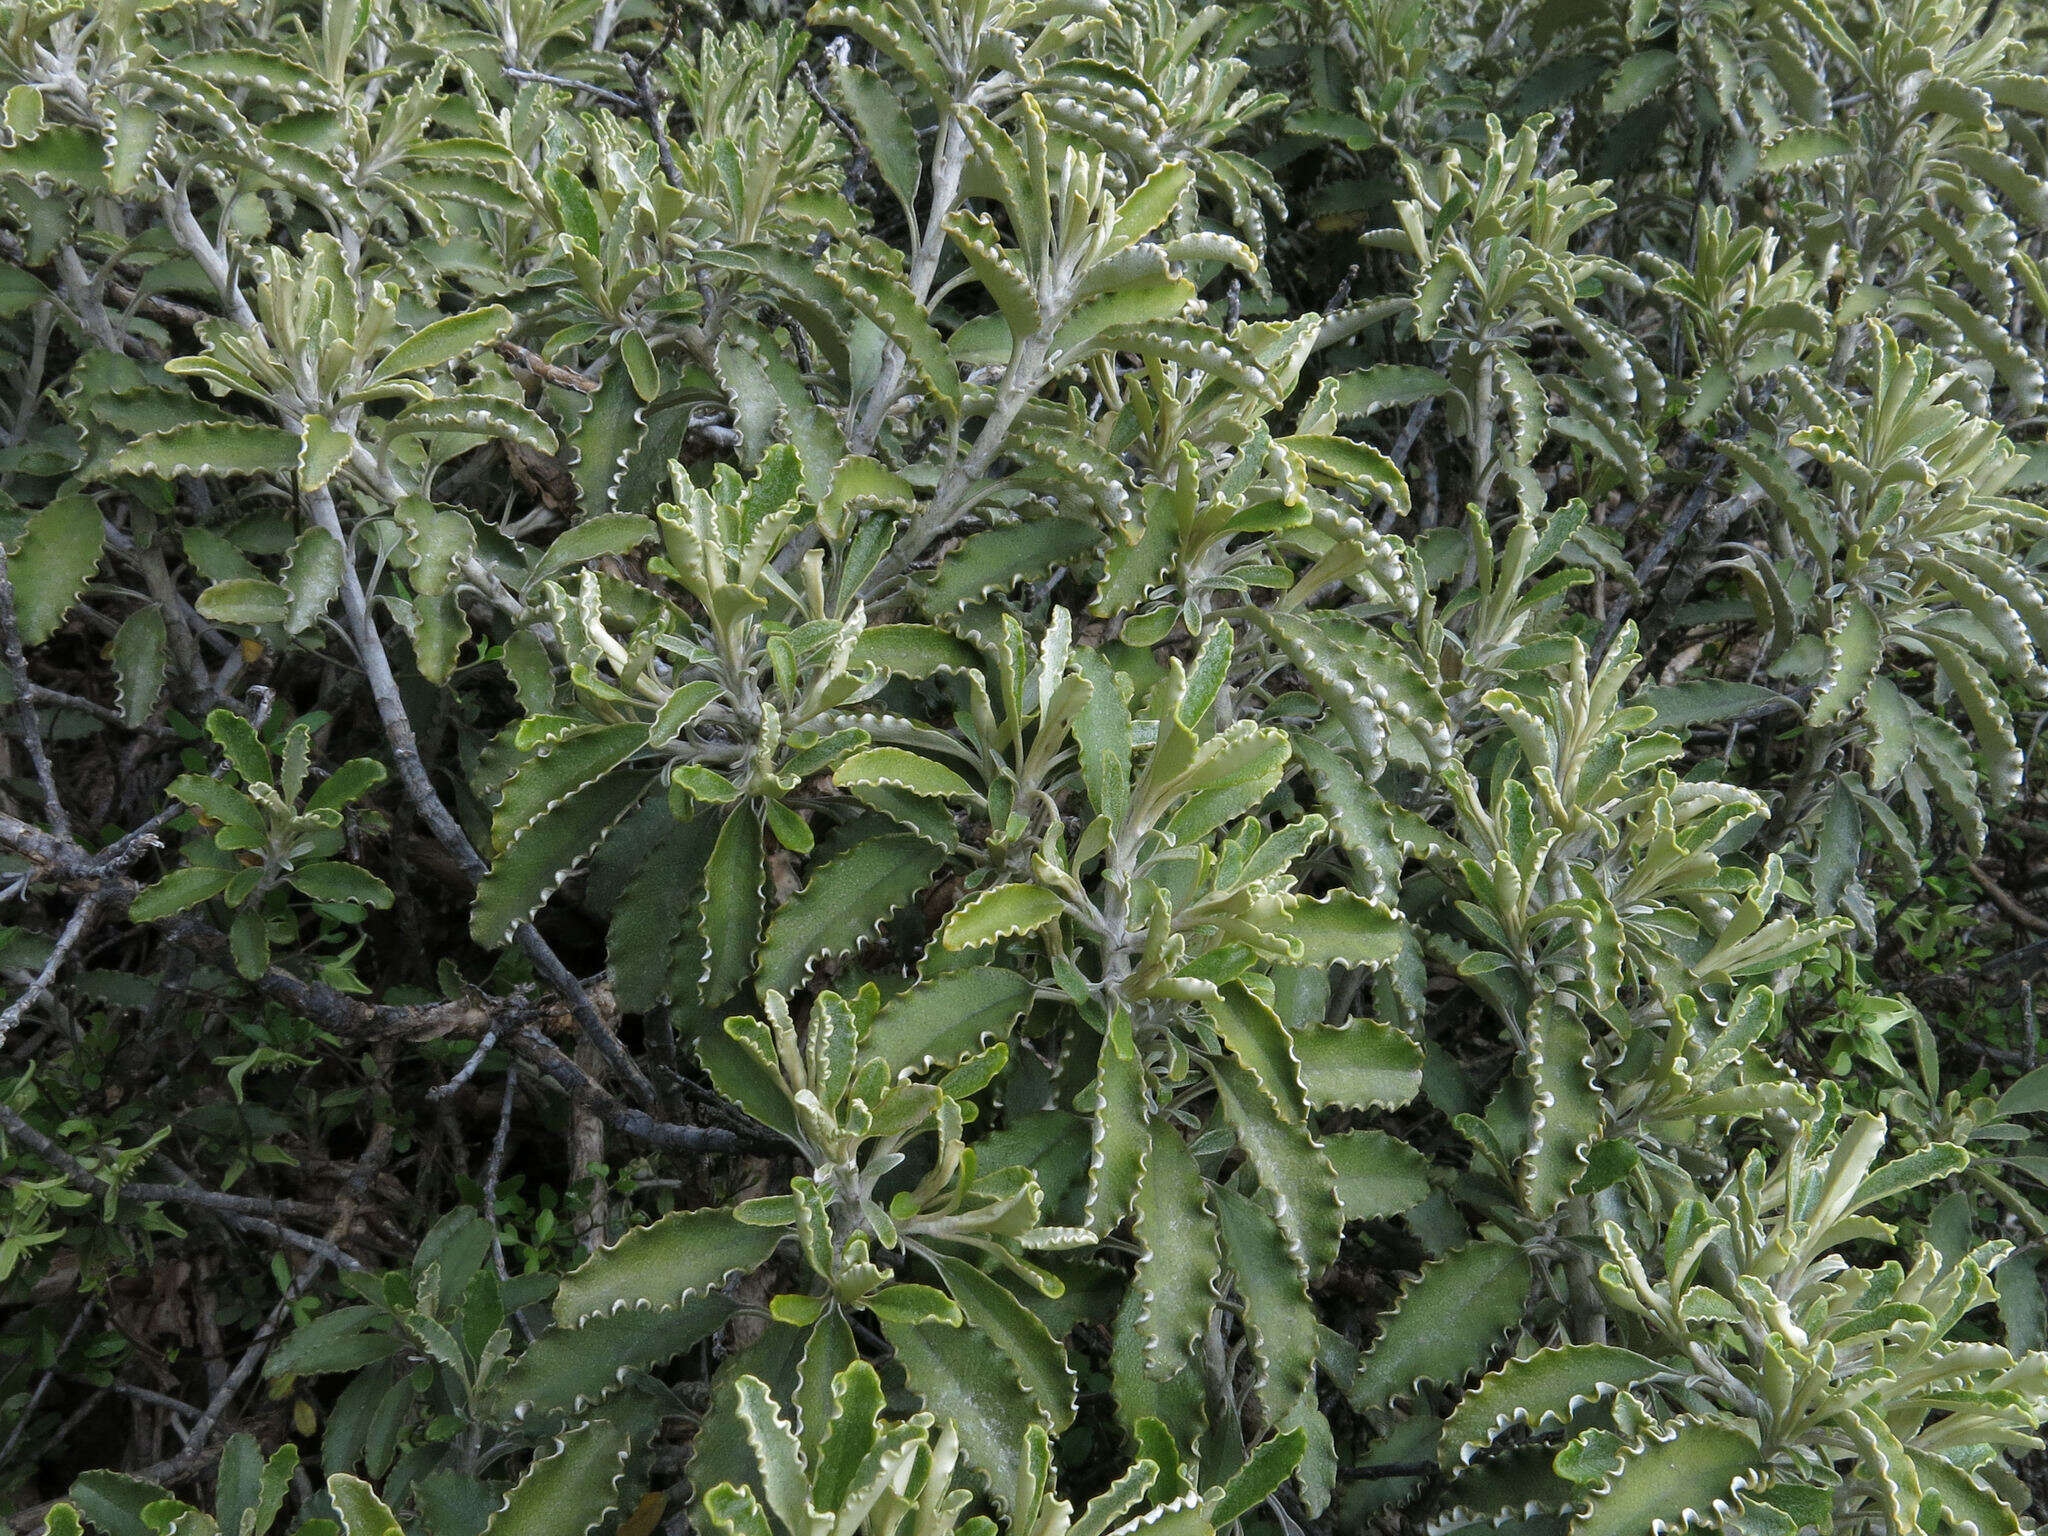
(1043,766)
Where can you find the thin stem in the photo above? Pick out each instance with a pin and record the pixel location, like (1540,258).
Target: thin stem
(427,801)
(31,726)
(949,162)
(81,919)
(35,1398)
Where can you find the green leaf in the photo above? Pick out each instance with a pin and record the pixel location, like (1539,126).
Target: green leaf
(992,1311)
(1674,1478)
(479,415)
(602,440)
(1343,928)
(1262,1475)
(245,600)
(57,557)
(114,1501)
(1353,464)
(734,903)
(331,881)
(1001,913)
(998,273)
(1296,1177)
(1944,1159)
(1377,1176)
(570,1490)
(997,559)
(947,1017)
(1989,716)
(844,903)
(210,449)
(1119,1120)
(1964,1497)
(885,129)
(1117,317)
(894,767)
(1568,1112)
(560,766)
(569,1369)
(612,533)
(443,341)
(1802,148)
(322,450)
(249,942)
(641,367)
(438,543)
(312,578)
(892,308)
(664,1265)
(1540,1390)
(1448,1320)
(177,891)
(984,1403)
(1277,1311)
(1259,1041)
(547,851)
(347,784)
(1179,1257)
(1384,387)
(345,1339)
(1364,1065)
(138,652)
(70,157)
(1150,204)
(361,1512)
(1704,701)
(1639,79)
(913,650)
(1854,647)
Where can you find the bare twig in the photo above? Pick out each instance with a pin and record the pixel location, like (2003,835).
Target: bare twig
(35,1397)
(1411,430)
(544,1054)
(494,1166)
(613,99)
(1342,295)
(198,1445)
(653,109)
(476,1059)
(69,867)
(81,920)
(1674,534)
(31,727)
(427,801)
(530,361)
(857,166)
(2006,902)
(232,1209)
(518,1020)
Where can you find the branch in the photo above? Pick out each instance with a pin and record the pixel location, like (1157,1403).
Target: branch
(426,800)
(2006,902)
(81,919)
(31,726)
(68,866)
(235,1210)
(612,99)
(35,1398)
(543,1053)
(641,73)
(519,1021)
(530,361)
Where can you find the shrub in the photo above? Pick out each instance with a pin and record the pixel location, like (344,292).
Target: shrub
(1068,766)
